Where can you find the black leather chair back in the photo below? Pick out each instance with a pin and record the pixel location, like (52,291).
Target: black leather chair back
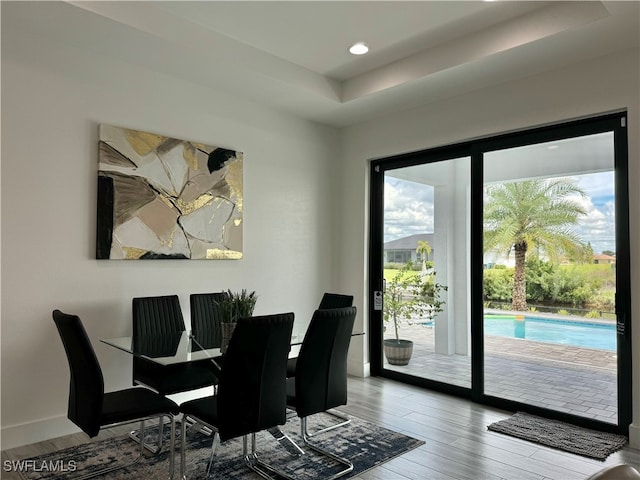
(165,345)
(252,390)
(335,300)
(86,387)
(321,372)
(157,315)
(206,317)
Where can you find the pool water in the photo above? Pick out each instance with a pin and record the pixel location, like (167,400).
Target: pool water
(579,334)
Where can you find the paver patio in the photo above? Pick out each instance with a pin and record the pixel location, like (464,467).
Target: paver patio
(581,381)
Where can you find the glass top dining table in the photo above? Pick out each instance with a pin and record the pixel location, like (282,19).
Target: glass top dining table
(182,347)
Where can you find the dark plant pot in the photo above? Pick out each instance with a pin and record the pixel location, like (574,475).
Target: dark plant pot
(398,352)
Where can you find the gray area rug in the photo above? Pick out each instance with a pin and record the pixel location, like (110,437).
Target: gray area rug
(560,435)
(365,444)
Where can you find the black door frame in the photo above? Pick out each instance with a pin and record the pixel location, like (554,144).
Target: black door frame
(614,122)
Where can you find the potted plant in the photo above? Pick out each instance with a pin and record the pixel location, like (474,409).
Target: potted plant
(233,306)
(408,295)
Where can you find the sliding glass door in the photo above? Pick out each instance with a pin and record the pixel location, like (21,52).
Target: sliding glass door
(499,271)
(550,275)
(425,264)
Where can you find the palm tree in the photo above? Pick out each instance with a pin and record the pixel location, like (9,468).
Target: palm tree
(533,215)
(424,250)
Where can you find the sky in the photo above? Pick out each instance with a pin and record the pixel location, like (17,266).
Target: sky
(409,209)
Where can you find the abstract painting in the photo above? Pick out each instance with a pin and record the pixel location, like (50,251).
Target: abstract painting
(164,198)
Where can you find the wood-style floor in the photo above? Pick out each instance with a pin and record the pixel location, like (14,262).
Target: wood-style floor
(458,444)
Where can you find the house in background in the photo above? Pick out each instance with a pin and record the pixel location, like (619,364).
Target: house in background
(602,259)
(403,249)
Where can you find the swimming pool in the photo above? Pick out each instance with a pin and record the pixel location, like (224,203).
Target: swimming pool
(579,334)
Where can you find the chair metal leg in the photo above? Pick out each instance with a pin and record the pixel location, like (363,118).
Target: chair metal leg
(263,469)
(316,448)
(250,456)
(183,446)
(155,449)
(191,422)
(172,448)
(286,441)
(135,435)
(113,468)
(199,427)
(214,449)
(345,420)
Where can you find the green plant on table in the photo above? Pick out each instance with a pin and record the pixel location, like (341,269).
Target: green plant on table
(236,305)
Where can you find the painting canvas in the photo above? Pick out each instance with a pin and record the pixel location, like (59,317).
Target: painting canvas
(164,198)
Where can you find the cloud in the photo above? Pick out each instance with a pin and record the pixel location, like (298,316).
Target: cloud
(598,225)
(408,208)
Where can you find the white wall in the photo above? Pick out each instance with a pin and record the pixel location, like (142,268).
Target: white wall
(53,99)
(604,85)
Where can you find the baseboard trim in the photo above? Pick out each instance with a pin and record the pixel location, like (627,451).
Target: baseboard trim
(359,369)
(634,436)
(46,429)
(33,432)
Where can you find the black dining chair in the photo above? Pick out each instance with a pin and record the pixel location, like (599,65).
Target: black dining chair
(206,317)
(335,300)
(252,389)
(206,320)
(320,383)
(329,300)
(91,409)
(161,317)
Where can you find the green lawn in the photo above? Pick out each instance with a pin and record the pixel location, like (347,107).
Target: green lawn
(389,273)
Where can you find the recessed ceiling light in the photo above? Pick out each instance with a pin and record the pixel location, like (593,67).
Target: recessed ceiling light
(359,48)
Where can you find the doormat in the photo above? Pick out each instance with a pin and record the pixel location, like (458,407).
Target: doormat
(366,445)
(560,435)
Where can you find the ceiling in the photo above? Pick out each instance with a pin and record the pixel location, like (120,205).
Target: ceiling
(293,55)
